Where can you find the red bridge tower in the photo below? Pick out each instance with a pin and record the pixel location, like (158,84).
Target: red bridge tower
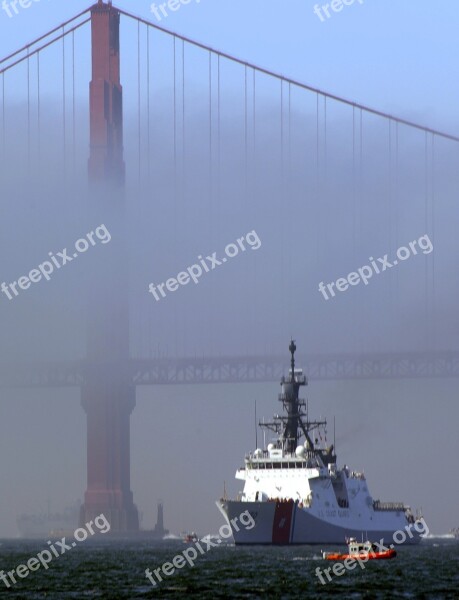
(108,395)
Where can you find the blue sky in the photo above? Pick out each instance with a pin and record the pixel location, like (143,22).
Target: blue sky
(391,55)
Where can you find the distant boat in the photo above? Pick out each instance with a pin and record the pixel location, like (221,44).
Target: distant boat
(365,550)
(47,524)
(455,532)
(190,537)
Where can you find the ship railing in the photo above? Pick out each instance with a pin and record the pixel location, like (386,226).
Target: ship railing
(285,456)
(398,506)
(265,454)
(297,376)
(288,461)
(283,397)
(253,456)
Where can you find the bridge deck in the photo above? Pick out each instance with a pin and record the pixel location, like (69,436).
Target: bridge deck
(232,369)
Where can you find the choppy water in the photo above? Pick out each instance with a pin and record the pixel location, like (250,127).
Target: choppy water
(116,570)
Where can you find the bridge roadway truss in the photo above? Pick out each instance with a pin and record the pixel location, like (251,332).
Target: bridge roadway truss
(249,369)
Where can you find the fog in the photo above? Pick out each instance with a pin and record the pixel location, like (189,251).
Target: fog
(322,194)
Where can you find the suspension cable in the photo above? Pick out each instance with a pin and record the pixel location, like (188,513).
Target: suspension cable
(290,80)
(58,28)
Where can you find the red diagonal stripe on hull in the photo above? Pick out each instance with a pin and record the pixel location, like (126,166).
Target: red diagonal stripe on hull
(282,522)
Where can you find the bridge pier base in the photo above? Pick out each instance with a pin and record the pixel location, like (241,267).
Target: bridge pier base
(108,410)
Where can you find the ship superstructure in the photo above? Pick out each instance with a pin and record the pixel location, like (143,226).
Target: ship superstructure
(295,491)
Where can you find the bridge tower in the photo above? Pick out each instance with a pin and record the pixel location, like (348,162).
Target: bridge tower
(106,97)
(108,396)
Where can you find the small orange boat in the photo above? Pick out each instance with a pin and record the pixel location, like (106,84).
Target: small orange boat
(190,537)
(363,550)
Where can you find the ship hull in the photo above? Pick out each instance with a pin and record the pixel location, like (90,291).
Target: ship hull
(284,523)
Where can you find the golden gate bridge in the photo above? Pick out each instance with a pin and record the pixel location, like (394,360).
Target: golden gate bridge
(109,372)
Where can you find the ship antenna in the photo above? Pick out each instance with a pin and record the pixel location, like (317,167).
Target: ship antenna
(334,434)
(292,349)
(256,428)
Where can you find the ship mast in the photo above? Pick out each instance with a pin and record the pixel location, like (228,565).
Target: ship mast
(290,398)
(295,424)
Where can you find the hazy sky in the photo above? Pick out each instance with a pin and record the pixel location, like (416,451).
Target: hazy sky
(392,55)
(187,440)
